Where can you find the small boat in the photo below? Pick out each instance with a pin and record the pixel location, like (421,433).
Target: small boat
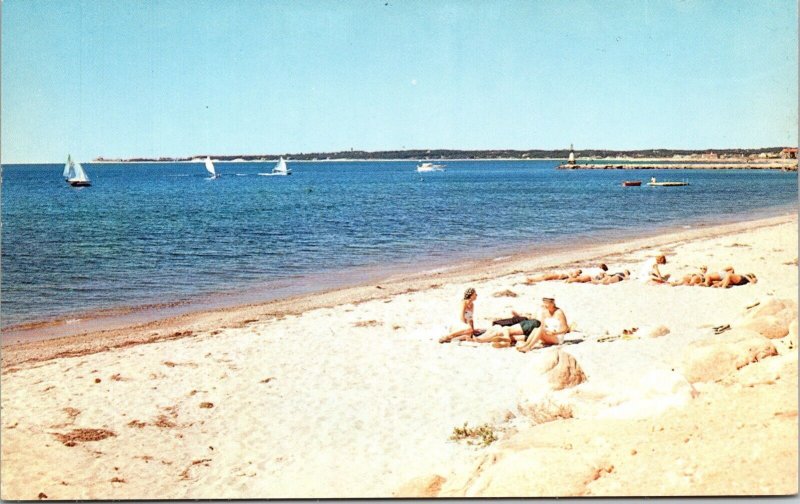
(429,167)
(631,183)
(74,174)
(666,184)
(210,168)
(281,169)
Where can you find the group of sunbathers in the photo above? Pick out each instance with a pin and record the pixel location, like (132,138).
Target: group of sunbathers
(598,275)
(650,273)
(549,329)
(728,278)
(551,325)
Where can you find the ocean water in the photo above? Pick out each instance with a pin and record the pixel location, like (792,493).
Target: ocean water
(155,233)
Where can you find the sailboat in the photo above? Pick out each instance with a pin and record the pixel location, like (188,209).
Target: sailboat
(210,168)
(74,174)
(281,169)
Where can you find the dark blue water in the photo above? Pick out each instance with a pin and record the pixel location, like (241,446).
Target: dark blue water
(147,233)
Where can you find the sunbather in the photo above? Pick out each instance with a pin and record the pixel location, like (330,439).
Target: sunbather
(651,273)
(552,329)
(693,278)
(553,275)
(465,328)
(732,279)
(590,274)
(613,278)
(712,278)
(504,332)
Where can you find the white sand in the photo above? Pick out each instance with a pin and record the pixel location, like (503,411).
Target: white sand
(356,399)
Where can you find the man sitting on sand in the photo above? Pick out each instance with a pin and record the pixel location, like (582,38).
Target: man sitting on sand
(552,329)
(590,274)
(650,271)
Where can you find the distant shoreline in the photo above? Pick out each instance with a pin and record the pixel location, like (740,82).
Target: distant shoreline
(757,154)
(627,163)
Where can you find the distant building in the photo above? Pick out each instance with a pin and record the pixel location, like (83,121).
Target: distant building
(571,159)
(789,153)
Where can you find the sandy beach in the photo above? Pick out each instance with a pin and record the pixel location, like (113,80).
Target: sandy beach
(347,393)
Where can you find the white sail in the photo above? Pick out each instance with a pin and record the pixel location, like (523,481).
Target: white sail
(280,167)
(79,174)
(210,167)
(68,168)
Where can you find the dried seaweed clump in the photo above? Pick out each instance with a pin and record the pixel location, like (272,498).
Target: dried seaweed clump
(76,436)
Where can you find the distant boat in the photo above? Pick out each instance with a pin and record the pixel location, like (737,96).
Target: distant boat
(74,174)
(210,168)
(666,184)
(281,169)
(429,167)
(631,183)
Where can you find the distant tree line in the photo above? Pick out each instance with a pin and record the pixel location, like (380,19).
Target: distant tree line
(416,154)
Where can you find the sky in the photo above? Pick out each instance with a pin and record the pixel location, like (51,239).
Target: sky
(124,78)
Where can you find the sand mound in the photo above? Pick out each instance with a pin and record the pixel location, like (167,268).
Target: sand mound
(771,319)
(714,358)
(424,486)
(561,369)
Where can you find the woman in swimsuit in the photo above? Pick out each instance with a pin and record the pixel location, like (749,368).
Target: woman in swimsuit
(714,278)
(732,279)
(655,274)
(593,274)
(544,277)
(553,328)
(466,327)
(613,278)
(693,278)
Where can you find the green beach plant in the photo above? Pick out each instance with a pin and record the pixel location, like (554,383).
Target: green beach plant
(483,434)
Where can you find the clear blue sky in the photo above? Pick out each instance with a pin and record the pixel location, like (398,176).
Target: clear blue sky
(180,77)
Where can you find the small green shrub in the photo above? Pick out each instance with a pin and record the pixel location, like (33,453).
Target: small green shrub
(483,434)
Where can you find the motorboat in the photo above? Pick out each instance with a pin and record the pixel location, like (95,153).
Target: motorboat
(429,167)
(654,183)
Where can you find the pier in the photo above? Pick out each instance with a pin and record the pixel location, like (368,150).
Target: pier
(679,166)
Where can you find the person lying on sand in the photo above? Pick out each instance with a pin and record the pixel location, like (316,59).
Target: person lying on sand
(504,332)
(553,275)
(552,329)
(732,279)
(613,278)
(712,278)
(464,329)
(590,274)
(693,278)
(650,271)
